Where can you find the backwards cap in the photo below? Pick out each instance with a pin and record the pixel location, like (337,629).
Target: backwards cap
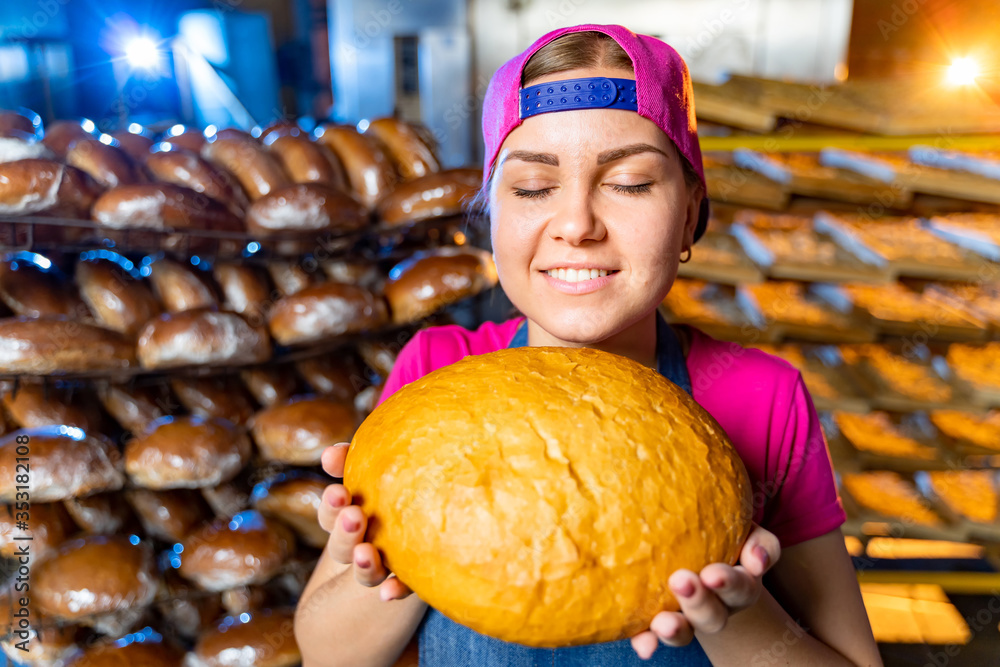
(663,94)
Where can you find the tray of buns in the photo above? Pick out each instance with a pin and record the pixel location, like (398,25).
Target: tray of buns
(978,232)
(904,378)
(729,183)
(970,432)
(789,247)
(830,384)
(977,370)
(715,309)
(719,258)
(968,499)
(903,311)
(882,440)
(893,500)
(811,312)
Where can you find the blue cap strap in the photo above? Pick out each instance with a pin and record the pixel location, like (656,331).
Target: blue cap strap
(597,92)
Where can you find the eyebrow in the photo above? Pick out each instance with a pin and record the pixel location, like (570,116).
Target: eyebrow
(602,158)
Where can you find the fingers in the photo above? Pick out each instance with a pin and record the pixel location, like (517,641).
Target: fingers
(393,589)
(734,586)
(645,644)
(672,628)
(368,568)
(348,532)
(703,610)
(333,459)
(334,499)
(760,552)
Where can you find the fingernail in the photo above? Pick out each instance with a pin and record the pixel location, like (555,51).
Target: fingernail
(350,525)
(363,563)
(342,444)
(336,501)
(685,590)
(716,583)
(761,553)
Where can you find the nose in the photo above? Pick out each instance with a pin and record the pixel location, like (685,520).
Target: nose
(576,221)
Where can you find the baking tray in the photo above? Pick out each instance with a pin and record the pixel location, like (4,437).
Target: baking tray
(816,312)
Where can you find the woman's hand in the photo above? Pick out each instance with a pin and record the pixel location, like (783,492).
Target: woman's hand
(709,598)
(346,524)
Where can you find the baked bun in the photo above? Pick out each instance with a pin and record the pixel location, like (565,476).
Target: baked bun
(247,549)
(267,639)
(161,206)
(297,432)
(289,277)
(29,291)
(45,187)
(337,377)
(101,513)
(380,355)
(353,272)
(60,135)
(256,170)
(102,581)
(369,170)
(245,289)
(186,138)
(48,526)
(107,164)
(227,499)
(324,311)
(147,652)
(270,385)
(16,145)
(222,397)
(181,287)
(186,453)
(306,208)
(46,345)
(410,155)
(38,406)
(65,462)
(180,167)
(118,301)
(186,608)
(306,161)
(430,281)
(168,515)
(201,337)
(437,195)
(577,435)
(279,128)
(367,399)
(135,408)
(294,500)
(136,144)
(26,121)
(47,643)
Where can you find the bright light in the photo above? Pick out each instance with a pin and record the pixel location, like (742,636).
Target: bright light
(963,71)
(135,128)
(142,53)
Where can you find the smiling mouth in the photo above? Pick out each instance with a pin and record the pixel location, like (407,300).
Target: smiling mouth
(579,275)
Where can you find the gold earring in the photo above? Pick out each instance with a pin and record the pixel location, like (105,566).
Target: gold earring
(685,260)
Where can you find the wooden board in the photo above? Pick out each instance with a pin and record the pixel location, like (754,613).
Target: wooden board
(718,257)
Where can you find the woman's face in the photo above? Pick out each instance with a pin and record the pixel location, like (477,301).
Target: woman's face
(580,194)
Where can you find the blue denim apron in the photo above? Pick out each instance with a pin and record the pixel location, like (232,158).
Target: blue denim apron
(444,643)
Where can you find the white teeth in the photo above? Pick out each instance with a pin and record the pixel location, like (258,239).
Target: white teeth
(577,275)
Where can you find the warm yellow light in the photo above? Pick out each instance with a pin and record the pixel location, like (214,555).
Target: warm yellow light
(963,71)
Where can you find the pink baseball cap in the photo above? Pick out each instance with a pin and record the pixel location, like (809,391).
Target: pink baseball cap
(663,94)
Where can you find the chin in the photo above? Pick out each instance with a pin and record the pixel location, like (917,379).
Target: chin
(580,326)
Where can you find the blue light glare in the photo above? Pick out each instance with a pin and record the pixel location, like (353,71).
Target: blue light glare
(244,617)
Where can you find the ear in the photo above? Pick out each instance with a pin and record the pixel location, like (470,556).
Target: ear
(695,194)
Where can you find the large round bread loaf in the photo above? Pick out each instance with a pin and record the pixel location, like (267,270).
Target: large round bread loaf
(545,495)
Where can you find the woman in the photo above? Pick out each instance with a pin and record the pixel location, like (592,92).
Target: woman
(595,188)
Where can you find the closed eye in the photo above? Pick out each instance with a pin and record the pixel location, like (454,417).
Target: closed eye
(531,194)
(642,188)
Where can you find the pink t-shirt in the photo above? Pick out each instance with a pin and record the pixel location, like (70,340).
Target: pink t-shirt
(758,399)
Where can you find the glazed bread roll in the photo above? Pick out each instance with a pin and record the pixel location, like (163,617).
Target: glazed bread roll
(230,133)
(101,513)
(16,145)
(410,155)
(246,290)
(289,277)
(180,286)
(65,462)
(201,337)
(136,144)
(186,138)
(46,345)
(60,135)
(45,187)
(256,170)
(221,397)
(49,525)
(434,196)
(16,120)
(353,272)
(135,408)
(48,643)
(298,431)
(245,550)
(580,434)
(31,292)
(306,161)
(227,499)
(168,515)
(367,399)
(380,355)
(118,301)
(267,639)
(294,500)
(279,128)
(147,652)
(307,208)
(160,206)
(187,608)
(324,311)
(37,406)
(107,164)
(270,385)
(102,581)
(336,377)
(186,453)
(430,281)
(368,169)
(180,167)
